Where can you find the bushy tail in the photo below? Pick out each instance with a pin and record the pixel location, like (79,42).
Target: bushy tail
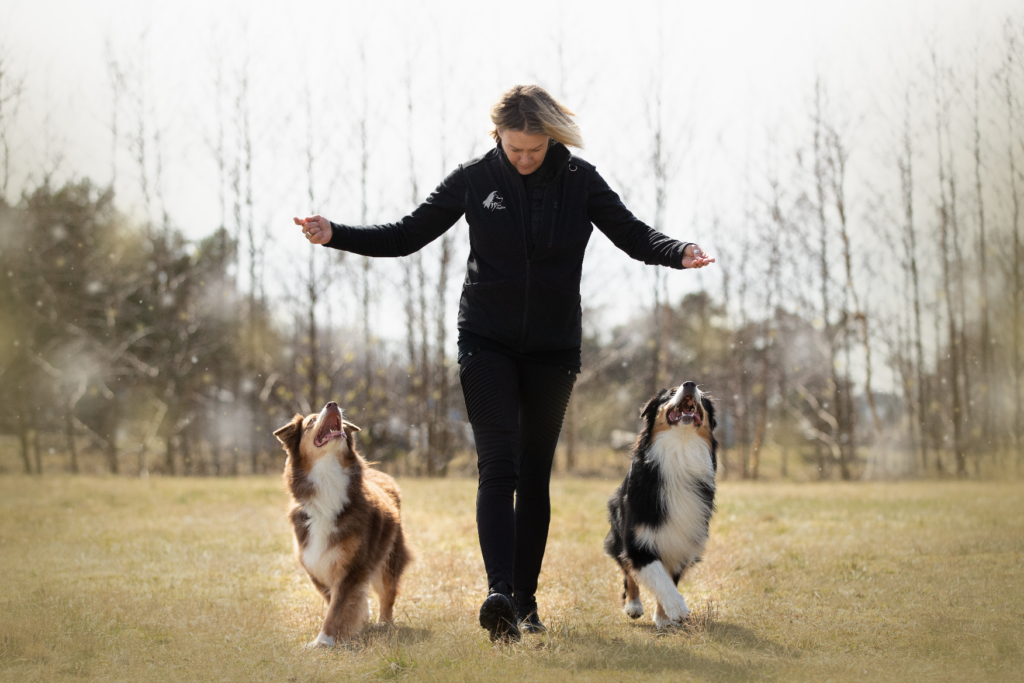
(613,542)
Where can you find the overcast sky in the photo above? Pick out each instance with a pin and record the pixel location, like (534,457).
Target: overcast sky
(735,80)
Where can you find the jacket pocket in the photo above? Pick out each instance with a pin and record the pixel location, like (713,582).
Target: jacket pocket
(555,319)
(493,310)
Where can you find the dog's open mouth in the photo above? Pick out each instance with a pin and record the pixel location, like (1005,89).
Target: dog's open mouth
(686,412)
(330,427)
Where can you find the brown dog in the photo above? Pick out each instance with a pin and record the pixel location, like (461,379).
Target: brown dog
(347,522)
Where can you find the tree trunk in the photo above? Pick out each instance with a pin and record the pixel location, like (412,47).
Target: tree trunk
(442,400)
(112,424)
(23,438)
(985,388)
(953,377)
(906,167)
(1018,409)
(313,371)
(169,451)
(36,451)
(69,432)
(572,433)
(762,415)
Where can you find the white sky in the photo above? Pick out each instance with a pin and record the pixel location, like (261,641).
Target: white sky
(735,76)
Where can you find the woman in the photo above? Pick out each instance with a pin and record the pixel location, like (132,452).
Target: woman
(530,206)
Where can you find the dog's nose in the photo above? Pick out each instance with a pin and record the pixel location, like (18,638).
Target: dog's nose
(331,404)
(689,385)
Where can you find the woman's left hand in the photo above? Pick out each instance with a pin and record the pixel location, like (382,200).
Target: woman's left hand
(694,257)
(316,229)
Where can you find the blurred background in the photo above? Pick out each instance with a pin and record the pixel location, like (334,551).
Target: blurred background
(857,169)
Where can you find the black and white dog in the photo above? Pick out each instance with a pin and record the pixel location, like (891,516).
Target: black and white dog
(660,514)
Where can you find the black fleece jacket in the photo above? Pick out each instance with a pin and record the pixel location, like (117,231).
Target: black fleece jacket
(529,302)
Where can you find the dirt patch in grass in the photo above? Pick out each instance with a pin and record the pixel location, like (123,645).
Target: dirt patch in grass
(186,579)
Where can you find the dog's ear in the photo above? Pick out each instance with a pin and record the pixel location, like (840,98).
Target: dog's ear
(290,434)
(709,408)
(349,428)
(650,409)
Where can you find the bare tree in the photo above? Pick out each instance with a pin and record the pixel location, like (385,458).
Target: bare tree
(772,238)
(313,282)
(11,88)
(365,295)
(1009,67)
(986,388)
(664,163)
(905,162)
(945,221)
(834,335)
(416,307)
(838,156)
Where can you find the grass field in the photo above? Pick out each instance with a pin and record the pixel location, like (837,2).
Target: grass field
(194,579)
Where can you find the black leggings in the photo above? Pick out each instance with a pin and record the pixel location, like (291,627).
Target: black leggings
(516,409)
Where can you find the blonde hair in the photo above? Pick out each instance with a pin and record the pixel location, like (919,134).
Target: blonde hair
(529,108)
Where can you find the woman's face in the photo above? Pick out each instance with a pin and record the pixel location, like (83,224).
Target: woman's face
(525,150)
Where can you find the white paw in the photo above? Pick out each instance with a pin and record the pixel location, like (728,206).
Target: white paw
(675,608)
(633,609)
(321,640)
(661,622)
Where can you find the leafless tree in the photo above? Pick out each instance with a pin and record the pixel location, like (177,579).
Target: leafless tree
(663,162)
(11,88)
(946,220)
(772,234)
(986,385)
(1010,69)
(905,163)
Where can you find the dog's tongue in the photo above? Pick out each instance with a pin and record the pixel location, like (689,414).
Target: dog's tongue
(330,429)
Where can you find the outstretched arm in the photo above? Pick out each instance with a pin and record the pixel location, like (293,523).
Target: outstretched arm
(426,223)
(633,236)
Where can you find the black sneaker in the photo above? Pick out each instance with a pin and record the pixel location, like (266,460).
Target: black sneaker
(526,611)
(498,614)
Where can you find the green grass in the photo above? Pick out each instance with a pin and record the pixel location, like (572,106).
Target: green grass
(186,579)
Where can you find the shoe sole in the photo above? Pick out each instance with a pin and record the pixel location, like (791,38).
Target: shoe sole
(498,618)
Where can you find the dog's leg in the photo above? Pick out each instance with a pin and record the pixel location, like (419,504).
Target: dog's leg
(656,579)
(324,590)
(354,611)
(348,612)
(661,619)
(327,635)
(387,590)
(386,584)
(633,608)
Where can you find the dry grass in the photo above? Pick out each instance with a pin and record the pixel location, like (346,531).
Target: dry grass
(174,579)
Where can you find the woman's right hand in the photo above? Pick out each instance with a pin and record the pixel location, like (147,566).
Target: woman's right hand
(316,229)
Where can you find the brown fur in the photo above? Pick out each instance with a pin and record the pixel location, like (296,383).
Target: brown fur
(360,546)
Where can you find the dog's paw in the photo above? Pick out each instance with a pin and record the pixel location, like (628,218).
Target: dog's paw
(634,609)
(676,609)
(321,640)
(661,622)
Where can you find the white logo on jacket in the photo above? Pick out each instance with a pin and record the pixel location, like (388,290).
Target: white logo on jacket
(494,201)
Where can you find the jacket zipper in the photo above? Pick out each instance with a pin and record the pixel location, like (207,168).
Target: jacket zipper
(554,181)
(526,253)
(517,183)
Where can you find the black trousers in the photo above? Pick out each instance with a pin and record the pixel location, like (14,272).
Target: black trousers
(516,409)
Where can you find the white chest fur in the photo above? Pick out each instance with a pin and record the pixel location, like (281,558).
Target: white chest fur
(684,460)
(330,485)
